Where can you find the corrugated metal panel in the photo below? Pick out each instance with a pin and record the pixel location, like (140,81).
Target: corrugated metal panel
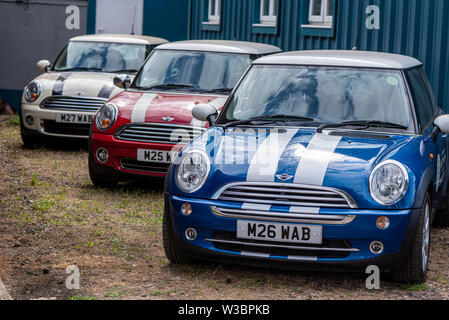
(417,28)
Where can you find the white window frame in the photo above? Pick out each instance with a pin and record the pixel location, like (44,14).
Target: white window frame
(325,18)
(271,18)
(214,17)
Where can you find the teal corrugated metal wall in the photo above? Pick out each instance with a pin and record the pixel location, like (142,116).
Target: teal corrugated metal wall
(418,28)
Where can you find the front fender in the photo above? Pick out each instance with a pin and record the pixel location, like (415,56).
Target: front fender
(426,182)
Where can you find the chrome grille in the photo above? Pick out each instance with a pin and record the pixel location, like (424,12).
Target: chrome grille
(68,103)
(285,194)
(159,133)
(282,216)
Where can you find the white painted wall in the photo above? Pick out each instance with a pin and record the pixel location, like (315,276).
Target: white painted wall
(117,16)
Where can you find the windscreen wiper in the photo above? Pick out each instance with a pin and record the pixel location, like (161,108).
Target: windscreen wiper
(168,86)
(80,69)
(124,71)
(365,124)
(270,119)
(218,90)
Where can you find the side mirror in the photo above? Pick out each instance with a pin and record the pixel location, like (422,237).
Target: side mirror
(43,65)
(205,112)
(442,122)
(122,81)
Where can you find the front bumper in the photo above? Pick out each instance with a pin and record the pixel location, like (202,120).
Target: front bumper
(353,237)
(45,123)
(123,156)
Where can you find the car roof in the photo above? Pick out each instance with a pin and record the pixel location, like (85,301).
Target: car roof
(120,38)
(342,58)
(224,46)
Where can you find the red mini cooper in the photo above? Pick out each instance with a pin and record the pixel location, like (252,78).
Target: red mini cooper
(138,132)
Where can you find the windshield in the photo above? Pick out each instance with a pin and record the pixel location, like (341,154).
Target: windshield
(192,70)
(322,94)
(101,57)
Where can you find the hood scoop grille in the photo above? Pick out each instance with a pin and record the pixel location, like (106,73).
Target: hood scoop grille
(362,135)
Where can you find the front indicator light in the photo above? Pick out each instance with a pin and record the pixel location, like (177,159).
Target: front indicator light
(186,209)
(106,123)
(382,222)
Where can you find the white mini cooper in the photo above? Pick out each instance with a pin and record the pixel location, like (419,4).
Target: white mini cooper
(62,101)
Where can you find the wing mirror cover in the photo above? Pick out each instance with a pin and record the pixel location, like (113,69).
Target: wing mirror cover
(205,112)
(122,81)
(43,65)
(442,122)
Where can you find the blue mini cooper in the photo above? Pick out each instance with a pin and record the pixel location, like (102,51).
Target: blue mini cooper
(320,160)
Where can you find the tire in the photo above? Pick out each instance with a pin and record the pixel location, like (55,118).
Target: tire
(171,252)
(414,270)
(29,141)
(98,180)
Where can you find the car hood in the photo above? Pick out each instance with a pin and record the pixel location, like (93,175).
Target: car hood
(169,108)
(86,84)
(335,159)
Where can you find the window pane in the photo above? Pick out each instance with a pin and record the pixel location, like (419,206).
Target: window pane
(316,7)
(325,94)
(106,57)
(330,8)
(423,104)
(266,7)
(201,70)
(211,7)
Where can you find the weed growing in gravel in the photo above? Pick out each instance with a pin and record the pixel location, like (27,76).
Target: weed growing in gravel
(14,120)
(156,293)
(81,297)
(114,294)
(34,182)
(43,205)
(415,287)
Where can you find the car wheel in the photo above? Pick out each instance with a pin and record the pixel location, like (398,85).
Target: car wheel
(415,268)
(98,180)
(172,253)
(29,141)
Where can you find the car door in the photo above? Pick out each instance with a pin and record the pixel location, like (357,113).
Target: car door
(426,112)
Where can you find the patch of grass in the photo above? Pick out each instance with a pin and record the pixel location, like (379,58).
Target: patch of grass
(81,297)
(442,280)
(114,294)
(34,182)
(157,293)
(259,281)
(14,120)
(415,287)
(43,205)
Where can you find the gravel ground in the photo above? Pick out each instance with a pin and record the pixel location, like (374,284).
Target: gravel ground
(52,217)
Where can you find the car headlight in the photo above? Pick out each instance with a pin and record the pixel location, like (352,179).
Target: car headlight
(106,116)
(33,91)
(388,182)
(192,171)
